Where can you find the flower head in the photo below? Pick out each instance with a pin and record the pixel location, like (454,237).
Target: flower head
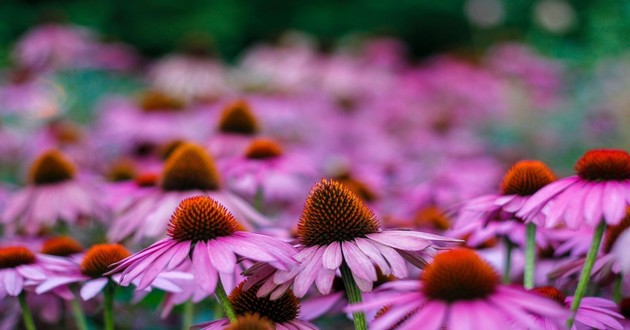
(55,192)
(336,227)
(100,257)
(205,238)
(459,275)
(526,177)
(190,167)
(19,267)
(51,167)
(282,312)
(459,289)
(332,213)
(237,118)
(599,191)
(494,215)
(188,171)
(61,246)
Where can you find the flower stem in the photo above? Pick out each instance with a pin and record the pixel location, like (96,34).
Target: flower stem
(27,317)
(586,270)
(508,261)
(530,255)
(77,311)
(354,296)
(189,315)
(108,309)
(617,289)
(219,291)
(259,199)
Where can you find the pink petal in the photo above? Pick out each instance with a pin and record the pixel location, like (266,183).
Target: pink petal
(359,263)
(396,262)
(13,282)
(91,288)
(593,205)
(430,317)
(313,308)
(614,203)
(400,241)
(332,257)
(205,275)
(324,280)
(55,282)
(308,273)
(221,257)
(542,196)
(372,252)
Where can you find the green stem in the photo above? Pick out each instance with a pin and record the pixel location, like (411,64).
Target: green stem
(617,289)
(530,255)
(586,270)
(189,315)
(77,311)
(259,199)
(108,309)
(354,296)
(219,291)
(27,317)
(508,261)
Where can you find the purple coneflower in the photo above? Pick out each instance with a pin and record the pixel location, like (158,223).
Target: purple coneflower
(237,126)
(594,312)
(189,171)
(459,290)
(205,238)
(54,193)
(597,196)
(268,174)
(19,268)
(282,312)
(495,215)
(338,232)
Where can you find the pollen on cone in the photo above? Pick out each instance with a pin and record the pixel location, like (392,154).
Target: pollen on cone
(332,213)
(526,177)
(51,167)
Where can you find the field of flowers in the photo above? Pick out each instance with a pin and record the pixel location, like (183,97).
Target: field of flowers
(303,188)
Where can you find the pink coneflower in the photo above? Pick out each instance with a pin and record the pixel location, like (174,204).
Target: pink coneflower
(205,238)
(459,290)
(597,196)
(235,131)
(599,191)
(282,312)
(19,268)
(55,46)
(594,312)
(54,193)
(522,180)
(65,267)
(189,171)
(90,270)
(338,232)
(268,172)
(337,228)
(495,215)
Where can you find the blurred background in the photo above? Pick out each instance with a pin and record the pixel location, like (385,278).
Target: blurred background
(574,30)
(417,104)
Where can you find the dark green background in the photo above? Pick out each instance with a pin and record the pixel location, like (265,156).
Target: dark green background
(157,26)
